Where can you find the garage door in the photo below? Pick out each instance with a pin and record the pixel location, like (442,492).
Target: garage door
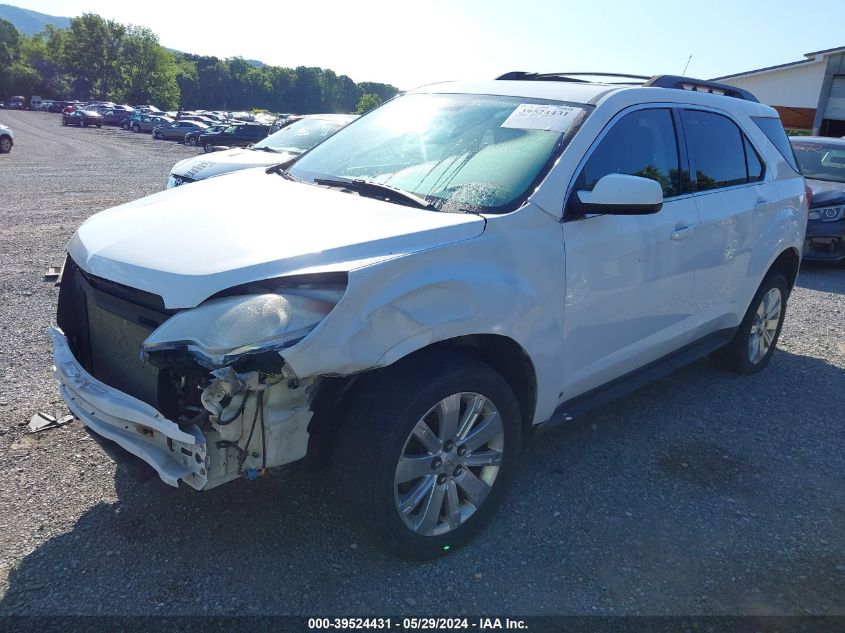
(835,108)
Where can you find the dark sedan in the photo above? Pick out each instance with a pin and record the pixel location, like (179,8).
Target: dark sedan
(239,135)
(822,161)
(115,116)
(82,118)
(177,130)
(193,138)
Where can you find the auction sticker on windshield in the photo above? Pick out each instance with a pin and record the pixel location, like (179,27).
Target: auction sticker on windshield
(533,116)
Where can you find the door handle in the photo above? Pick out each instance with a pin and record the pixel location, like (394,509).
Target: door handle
(682,232)
(760,202)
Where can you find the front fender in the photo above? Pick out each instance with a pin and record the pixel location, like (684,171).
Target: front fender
(491,284)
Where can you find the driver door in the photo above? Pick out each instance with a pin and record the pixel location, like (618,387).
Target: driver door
(629,278)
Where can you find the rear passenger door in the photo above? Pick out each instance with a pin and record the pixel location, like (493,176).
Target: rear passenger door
(629,278)
(731,193)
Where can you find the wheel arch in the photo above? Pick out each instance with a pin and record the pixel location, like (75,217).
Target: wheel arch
(503,354)
(787,264)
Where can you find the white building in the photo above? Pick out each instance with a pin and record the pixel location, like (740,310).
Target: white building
(809,94)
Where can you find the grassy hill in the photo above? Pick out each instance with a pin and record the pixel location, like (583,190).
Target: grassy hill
(31,22)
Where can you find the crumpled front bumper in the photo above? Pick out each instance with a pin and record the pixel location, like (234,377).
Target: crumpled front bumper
(132,424)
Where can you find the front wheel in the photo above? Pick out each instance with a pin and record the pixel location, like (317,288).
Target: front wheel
(136,128)
(192,141)
(5,144)
(756,338)
(158,136)
(208,147)
(426,451)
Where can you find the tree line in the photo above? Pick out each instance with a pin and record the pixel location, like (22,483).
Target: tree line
(95,58)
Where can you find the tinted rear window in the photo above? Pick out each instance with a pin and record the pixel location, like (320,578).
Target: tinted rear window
(773,129)
(717,150)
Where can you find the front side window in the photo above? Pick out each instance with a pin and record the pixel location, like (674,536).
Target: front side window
(716,148)
(460,152)
(642,143)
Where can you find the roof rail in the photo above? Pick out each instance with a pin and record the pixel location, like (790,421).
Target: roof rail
(519,75)
(658,81)
(699,85)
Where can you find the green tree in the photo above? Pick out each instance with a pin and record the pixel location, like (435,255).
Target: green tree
(368,102)
(9,42)
(92,52)
(148,71)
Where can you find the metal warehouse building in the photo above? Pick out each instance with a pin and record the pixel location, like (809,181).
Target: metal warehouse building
(809,94)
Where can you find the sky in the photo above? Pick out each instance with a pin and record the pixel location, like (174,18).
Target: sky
(413,42)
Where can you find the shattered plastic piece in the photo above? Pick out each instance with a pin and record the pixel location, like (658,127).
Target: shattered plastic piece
(53,273)
(44,421)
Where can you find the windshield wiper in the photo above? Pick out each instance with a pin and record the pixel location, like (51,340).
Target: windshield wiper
(282,170)
(377,190)
(264,149)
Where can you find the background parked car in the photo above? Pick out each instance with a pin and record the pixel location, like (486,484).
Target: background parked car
(146,122)
(16,103)
(177,130)
(7,139)
(822,161)
(277,148)
(82,118)
(239,135)
(192,138)
(114,116)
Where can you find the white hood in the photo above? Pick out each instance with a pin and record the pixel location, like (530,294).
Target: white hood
(214,163)
(189,243)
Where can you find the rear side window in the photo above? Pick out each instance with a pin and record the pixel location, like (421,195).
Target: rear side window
(717,150)
(773,129)
(753,162)
(641,143)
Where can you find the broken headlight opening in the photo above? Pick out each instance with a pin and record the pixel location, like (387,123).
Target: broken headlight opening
(242,329)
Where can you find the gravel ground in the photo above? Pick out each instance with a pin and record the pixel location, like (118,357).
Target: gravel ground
(703,493)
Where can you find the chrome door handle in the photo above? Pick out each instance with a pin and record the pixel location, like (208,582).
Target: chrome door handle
(682,232)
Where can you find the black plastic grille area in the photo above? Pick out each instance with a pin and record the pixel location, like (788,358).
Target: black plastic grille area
(106,324)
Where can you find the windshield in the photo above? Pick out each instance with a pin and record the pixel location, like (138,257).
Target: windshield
(821,161)
(301,135)
(461,153)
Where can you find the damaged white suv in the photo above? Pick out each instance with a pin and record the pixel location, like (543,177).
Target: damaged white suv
(413,296)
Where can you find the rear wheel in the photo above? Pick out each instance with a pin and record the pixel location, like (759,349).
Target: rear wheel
(5,144)
(193,141)
(136,127)
(158,136)
(83,123)
(756,338)
(426,451)
(208,147)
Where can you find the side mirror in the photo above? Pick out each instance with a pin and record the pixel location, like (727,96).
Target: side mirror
(620,194)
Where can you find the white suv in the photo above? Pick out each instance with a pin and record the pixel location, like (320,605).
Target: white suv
(412,297)
(7,139)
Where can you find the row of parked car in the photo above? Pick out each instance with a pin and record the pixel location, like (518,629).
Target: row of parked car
(208,129)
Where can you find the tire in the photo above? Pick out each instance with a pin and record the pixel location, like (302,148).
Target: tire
(756,338)
(99,125)
(378,434)
(64,121)
(158,136)
(136,128)
(193,142)
(5,144)
(83,123)
(208,148)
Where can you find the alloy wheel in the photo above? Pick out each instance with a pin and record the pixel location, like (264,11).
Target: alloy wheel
(5,145)
(765,325)
(449,464)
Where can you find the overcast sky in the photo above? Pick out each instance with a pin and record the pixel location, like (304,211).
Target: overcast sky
(412,42)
